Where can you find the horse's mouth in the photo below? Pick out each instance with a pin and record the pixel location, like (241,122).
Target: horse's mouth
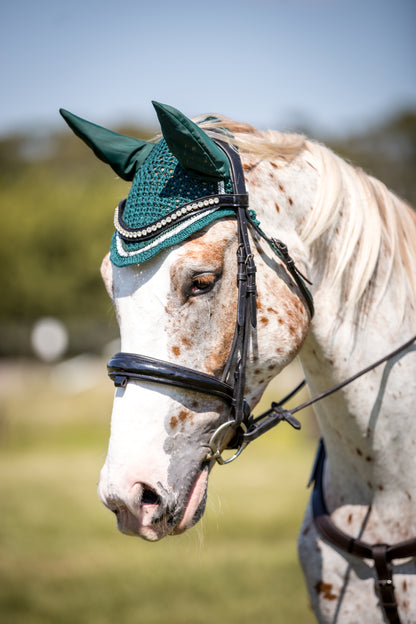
(195,504)
(152,523)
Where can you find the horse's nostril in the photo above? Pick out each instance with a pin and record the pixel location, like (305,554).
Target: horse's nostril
(150,497)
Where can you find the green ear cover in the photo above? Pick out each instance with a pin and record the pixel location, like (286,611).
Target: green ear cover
(194,149)
(123,153)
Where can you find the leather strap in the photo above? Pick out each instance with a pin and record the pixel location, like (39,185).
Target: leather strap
(123,367)
(281,250)
(384,582)
(382,554)
(235,369)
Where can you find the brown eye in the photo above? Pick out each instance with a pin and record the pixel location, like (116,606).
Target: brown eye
(203,283)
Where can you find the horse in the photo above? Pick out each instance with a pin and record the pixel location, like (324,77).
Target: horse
(206,275)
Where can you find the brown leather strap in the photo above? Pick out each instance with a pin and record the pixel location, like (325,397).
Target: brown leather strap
(382,554)
(384,582)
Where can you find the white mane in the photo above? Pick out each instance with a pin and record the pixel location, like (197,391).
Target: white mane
(352,208)
(368,221)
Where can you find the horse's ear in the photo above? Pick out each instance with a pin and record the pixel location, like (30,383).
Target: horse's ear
(123,153)
(194,149)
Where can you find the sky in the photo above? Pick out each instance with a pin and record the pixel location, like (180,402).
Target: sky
(335,65)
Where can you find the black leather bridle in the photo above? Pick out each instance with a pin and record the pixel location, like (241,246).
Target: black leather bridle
(241,427)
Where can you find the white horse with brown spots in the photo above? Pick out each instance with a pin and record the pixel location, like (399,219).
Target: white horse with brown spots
(356,242)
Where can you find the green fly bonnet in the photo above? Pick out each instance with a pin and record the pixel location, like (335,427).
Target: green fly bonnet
(179,185)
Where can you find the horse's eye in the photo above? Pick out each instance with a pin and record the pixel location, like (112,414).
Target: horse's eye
(203,283)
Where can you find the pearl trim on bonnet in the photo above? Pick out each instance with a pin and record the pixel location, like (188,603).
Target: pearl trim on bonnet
(155,242)
(165,222)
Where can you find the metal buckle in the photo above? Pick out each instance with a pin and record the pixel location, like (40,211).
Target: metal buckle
(384,583)
(214,443)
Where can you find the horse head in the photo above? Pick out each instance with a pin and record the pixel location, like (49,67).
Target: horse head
(181,277)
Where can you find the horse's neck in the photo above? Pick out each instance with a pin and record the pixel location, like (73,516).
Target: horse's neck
(370,427)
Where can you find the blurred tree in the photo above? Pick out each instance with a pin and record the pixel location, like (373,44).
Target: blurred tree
(387,151)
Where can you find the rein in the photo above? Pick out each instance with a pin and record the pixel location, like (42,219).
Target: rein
(382,554)
(276,414)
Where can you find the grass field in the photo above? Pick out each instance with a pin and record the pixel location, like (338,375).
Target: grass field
(63,561)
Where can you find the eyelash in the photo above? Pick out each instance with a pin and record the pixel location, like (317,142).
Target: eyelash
(203,283)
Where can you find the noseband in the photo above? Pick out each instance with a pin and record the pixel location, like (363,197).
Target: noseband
(125,367)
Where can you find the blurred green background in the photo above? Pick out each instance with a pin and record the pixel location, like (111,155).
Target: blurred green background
(62,559)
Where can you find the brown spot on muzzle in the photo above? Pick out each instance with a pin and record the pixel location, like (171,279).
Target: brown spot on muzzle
(182,415)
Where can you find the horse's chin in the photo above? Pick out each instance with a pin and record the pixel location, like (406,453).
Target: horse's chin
(146,527)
